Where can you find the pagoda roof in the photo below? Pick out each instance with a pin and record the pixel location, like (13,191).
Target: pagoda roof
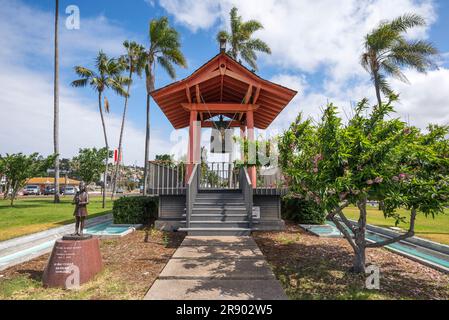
(223,80)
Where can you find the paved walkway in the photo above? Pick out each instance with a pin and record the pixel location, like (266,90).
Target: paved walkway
(217,268)
(25,248)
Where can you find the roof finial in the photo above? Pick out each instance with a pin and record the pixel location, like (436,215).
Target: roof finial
(222,44)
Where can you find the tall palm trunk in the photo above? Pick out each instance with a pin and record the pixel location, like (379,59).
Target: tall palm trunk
(105,176)
(117,165)
(56,105)
(150,88)
(147,146)
(377,87)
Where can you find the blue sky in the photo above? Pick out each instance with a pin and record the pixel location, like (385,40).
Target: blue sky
(315,46)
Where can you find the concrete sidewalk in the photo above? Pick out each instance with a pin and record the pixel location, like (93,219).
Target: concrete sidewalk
(217,268)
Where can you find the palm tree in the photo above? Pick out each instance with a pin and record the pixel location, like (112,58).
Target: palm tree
(387,51)
(164,50)
(242,45)
(56,104)
(108,75)
(134,62)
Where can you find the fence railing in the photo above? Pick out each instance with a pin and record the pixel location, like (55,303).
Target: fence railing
(219,175)
(247,191)
(166,178)
(191,192)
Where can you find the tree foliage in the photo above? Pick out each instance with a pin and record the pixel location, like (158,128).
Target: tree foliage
(387,50)
(89,164)
(18,168)
(164,50)
(241,41)
(371,157)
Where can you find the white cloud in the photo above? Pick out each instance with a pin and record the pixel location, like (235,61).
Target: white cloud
(193,13)
(325,38)
(26,82)
(426,100)
(306,35)
(26,113)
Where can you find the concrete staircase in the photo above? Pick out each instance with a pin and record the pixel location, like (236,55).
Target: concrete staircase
(218,213)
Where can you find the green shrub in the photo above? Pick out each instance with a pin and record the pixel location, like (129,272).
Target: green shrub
(135,210)
(302,211)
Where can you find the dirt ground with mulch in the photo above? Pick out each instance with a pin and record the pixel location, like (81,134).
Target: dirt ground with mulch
(310,267)
(131,264)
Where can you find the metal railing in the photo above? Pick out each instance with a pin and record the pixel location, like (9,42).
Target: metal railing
(270,181)
(166,178)
(191,192)
(247,191)
(219,175)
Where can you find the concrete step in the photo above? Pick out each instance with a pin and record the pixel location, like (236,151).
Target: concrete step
(218,224)
(221,191)
(218,217)
(219,203)
(219,196)
(218,210)
(216,231)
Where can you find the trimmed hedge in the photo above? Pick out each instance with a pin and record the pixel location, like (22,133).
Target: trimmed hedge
(135,210)
(302,211)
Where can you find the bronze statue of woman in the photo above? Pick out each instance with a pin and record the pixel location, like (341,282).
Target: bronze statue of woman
(81,200)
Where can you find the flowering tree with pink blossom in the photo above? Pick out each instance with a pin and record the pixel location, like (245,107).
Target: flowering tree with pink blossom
(372,156)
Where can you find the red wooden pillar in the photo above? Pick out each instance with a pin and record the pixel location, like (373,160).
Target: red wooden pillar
(251,157)
(192,144)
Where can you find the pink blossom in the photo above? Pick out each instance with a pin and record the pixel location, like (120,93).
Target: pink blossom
(378,180)
(395,179)
(369,182)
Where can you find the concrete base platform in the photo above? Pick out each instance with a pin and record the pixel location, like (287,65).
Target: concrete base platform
(216,268)
(216,290)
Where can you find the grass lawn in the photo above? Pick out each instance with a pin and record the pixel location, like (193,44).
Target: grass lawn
(31,215)
(131,264)
(433,229)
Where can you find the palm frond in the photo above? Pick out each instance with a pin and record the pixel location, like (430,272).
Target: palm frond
(106,105)
(391,69)
(250,57)
(175,56)
(384,86)
(258,45)
(101,60)
(117,86)
(236,20)
(83,72)
(407,21)
(80,83)
(364,61)
(249,27)
(167,66)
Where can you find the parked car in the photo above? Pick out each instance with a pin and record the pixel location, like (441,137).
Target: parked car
(119,190)
(69,191)
(49,190)
(32,190)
